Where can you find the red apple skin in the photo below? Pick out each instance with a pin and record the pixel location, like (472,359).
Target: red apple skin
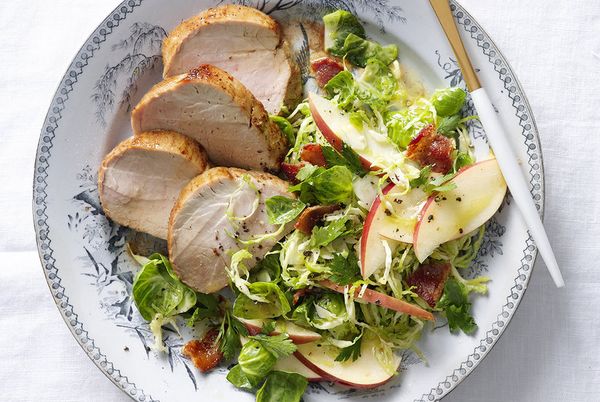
(367,229)
(383,300)
(335,141)
(328,377)
(298,340)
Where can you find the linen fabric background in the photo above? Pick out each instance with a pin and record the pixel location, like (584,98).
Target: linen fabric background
(551,350)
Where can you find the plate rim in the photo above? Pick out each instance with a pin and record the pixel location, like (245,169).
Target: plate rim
(61,95)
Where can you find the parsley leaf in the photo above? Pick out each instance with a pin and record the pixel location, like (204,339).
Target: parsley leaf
(229,336)
(347,158)
(344,271)
(268,327)
(279,345)
(440,184)
(350,352)
(447,125)
(422,179)
(456,305)
(431,185)
(323,235)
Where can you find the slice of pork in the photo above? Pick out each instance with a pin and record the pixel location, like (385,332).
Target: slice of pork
(140,179)
(243,41)
(210,106)
(213,212)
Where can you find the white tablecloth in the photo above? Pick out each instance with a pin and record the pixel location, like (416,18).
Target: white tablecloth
(550,352)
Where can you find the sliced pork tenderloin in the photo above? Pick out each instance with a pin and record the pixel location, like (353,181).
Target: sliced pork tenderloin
(210,106)
(243,41)
(213,213)
(140,179)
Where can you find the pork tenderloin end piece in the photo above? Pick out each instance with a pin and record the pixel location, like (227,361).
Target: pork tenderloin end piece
(140,179)
(243,41)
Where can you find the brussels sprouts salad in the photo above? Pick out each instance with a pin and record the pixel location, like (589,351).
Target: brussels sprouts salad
(387,210)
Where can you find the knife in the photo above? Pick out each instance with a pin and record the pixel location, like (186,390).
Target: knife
(498,141)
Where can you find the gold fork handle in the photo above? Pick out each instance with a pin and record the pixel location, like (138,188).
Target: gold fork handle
(444,15)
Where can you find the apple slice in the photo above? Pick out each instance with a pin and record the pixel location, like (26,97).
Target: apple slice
(395,225)
(335,125)
(479,191)
(383,300)
(297,334)
(383,224)
(364,372)
(372,251)
(291,364)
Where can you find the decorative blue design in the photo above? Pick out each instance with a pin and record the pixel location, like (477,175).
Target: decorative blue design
(144,45)
(106,257)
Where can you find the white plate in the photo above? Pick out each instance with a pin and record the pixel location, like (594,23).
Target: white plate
(82,253)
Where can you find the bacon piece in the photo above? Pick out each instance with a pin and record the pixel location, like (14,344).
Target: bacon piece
(205,353)
(429,281)
(291,170)
(431,148)
(312,215)
(313,153)
(325,69)
(299,294)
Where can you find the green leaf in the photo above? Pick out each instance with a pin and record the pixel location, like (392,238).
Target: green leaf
(309,171)
(422,179)
(359,51)
(448,101)
(282,210)
(286,128)
(440,184)
(348,158)
(397,133)
(156,290)
(323,235)
(268,269)
(455,303)
(276,305)
(279,345)
(447,125)
(462,160)
(341,88)
(256,361)
(207,306)
(238,378)
(229,336)
(268,327)
(338,25)
(324,186)
(344,271)
(333,186)
(431,184)
(377,85)
(350,352)
(282,387)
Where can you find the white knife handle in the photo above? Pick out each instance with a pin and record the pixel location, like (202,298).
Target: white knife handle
(515,180)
